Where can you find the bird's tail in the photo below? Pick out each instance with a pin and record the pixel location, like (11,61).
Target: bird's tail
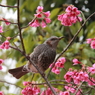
(18,72)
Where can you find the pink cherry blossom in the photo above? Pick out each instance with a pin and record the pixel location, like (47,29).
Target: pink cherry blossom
(79,19)
(35,24)
(91,41)
(48,20)
(58,65)
(92,44)
(1,61)
(25,83)
(39,9)
(1,67)
(43,24)
(1,93)
(1,29)
(93,65)
(49,92)
(68,9)
(6,21)
(91,69)
(91,82)
(72,10)
(38,15)
(53,69)
(68,76)
(57,71)
(64,93)
(47,14)
(8,38)
(88,41)
(60,62)
(36,90)
(66,21)
(5,45)
(75,61)
(70,88)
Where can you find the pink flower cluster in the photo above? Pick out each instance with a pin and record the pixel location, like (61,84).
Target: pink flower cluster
(91,41)
(1,29)
(29,89)
(1,93)
(75,61)
(5,45)
(59,64)
(1,61)
(34,90)
(81,76)
(42,18)
(76,76)
(70,17)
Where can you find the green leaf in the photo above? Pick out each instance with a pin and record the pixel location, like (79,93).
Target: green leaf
(32,5)
(54,13)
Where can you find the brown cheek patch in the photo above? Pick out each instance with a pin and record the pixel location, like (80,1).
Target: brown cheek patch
(49,43)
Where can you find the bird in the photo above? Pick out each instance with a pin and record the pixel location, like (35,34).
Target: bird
(42,56)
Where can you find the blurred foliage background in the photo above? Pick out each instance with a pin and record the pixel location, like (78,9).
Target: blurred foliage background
(35,36)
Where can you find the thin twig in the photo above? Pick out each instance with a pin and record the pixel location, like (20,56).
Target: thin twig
(78,88)
(16,49)
(29,23)
(8,6)
(10,83)
(18,18)
(8,21)
(2,35)
(70,43)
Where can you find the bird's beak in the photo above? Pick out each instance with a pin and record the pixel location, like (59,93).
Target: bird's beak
(60,38)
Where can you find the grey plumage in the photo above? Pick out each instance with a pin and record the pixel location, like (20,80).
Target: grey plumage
(43,55)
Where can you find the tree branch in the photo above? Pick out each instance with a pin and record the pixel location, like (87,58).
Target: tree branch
(29,24)
(78,88)
(9,22)
(8,6)
(11,84)
(18,18)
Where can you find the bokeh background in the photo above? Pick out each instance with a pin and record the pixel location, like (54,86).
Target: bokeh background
(35,36)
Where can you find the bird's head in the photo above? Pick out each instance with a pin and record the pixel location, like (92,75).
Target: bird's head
(53,41)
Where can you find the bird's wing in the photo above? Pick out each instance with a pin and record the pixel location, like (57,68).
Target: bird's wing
(46,58)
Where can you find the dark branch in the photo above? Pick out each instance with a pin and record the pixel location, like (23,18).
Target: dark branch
(11,84)
(8,6)
(30,23)
(18,18)
(8,21)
